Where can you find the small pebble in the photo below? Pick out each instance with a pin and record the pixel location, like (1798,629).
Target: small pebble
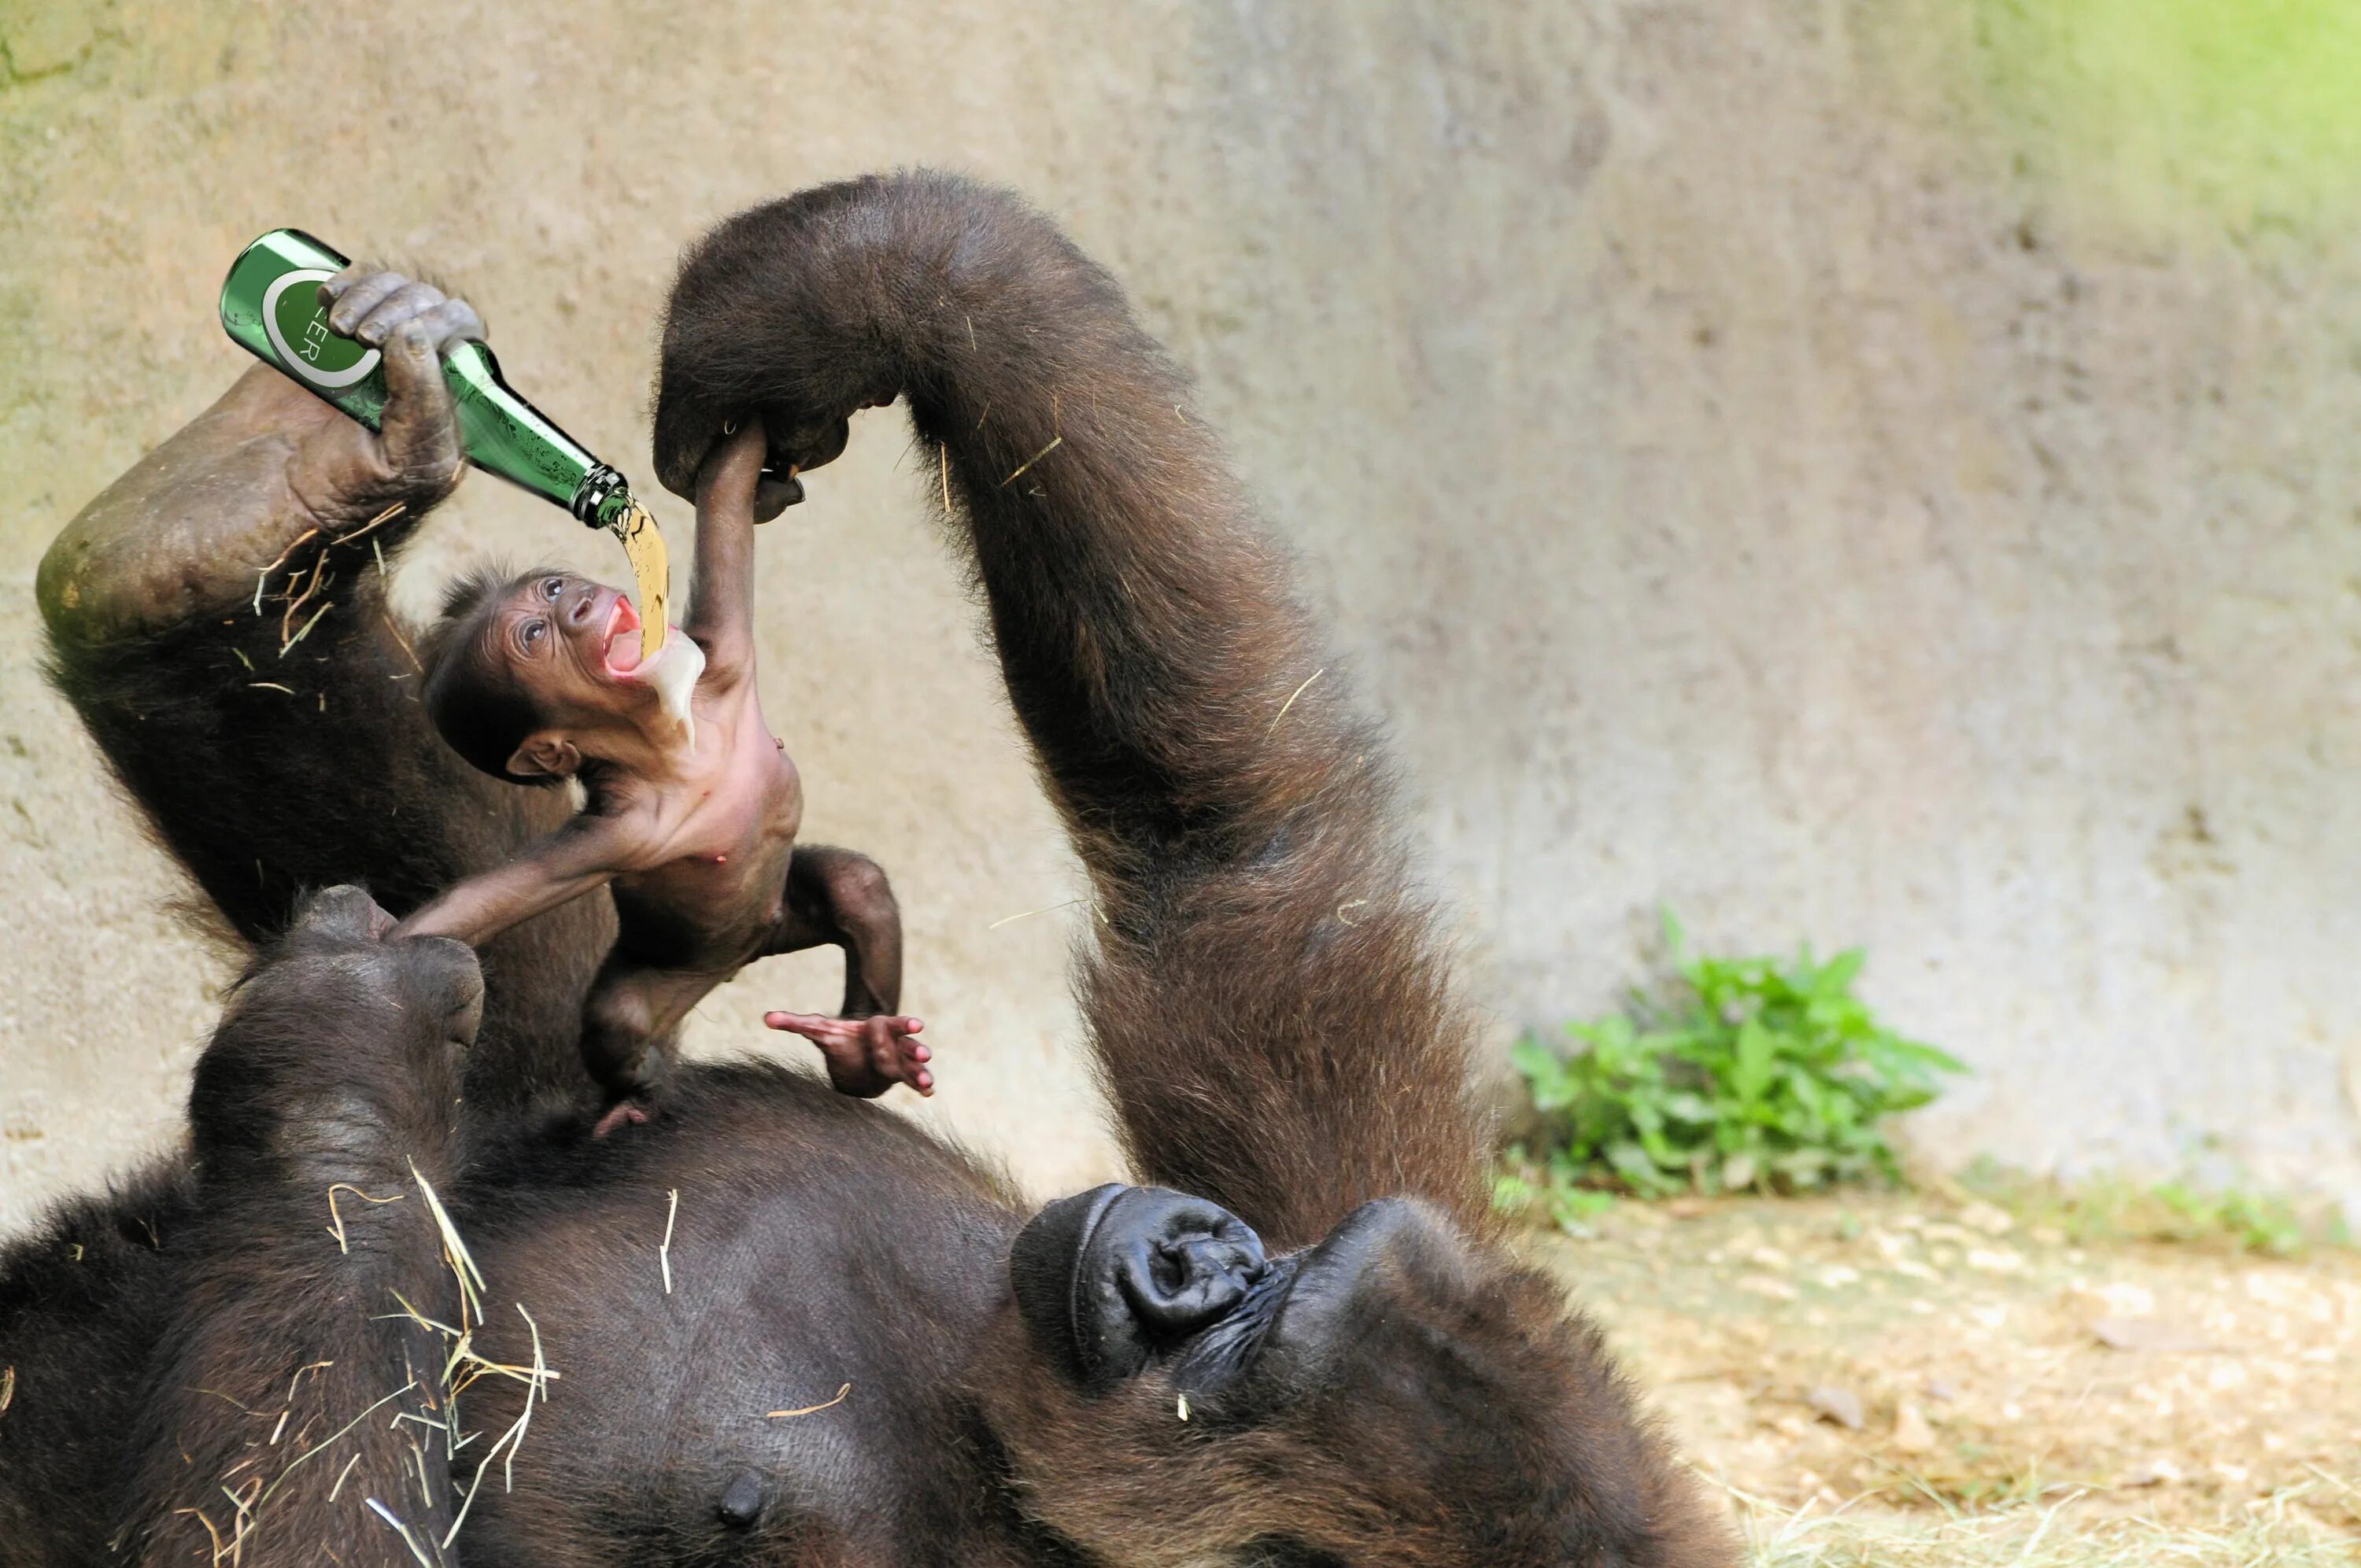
(1912,1434)
(1842,1406)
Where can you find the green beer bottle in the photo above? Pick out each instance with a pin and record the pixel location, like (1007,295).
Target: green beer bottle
(271,305)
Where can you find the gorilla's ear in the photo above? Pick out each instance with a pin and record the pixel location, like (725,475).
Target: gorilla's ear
(545,756)
(1107,1280)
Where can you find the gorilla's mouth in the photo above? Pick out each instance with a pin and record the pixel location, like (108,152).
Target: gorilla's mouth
(622,654)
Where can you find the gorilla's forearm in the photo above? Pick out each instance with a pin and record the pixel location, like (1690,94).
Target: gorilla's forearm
(297,1406)
(209,1360)
(173,601)
(1264,958)
(224,634)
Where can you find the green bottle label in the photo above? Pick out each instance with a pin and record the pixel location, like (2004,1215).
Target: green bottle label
(297,320)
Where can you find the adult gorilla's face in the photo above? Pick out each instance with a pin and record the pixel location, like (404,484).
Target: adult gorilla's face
(1395,1393)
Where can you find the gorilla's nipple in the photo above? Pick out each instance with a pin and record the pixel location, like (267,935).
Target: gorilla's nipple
(742,1501)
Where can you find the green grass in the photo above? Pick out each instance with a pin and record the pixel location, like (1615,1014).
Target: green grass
(2185,1211)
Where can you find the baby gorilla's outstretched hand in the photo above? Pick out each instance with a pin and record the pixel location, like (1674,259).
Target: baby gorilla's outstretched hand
(866,1057)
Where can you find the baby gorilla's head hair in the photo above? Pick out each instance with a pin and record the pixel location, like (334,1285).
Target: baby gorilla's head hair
(472,695)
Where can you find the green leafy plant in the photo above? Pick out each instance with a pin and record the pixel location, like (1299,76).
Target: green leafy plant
(1737,1074)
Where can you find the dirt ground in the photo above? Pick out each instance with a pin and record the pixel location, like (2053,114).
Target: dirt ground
(1934,1365)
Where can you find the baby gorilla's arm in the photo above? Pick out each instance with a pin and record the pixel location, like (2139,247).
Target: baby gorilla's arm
(839,897)
(582,856)
(721,595)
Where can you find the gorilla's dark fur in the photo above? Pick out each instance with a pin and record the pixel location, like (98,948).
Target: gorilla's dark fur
(1269,1004)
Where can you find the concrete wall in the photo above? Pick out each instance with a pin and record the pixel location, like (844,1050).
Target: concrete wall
(1771,458)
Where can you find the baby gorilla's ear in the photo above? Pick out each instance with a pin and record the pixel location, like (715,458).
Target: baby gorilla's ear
(546,755)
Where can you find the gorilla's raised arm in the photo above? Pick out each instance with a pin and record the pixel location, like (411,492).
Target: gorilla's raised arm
(1263,961)
(217,618)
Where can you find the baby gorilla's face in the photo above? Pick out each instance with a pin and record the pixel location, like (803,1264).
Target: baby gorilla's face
(519,683)
(568,644)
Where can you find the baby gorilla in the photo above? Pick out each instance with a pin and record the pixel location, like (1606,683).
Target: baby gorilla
(690,816)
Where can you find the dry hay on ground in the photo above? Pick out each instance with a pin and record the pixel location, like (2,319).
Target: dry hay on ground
(2019,1398)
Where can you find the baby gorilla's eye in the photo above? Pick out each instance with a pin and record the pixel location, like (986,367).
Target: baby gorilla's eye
(531,631)
(551,588)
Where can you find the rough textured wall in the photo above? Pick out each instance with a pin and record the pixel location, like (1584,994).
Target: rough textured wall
(1744,451)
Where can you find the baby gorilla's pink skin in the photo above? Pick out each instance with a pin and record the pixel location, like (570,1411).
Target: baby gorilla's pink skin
(865,1055)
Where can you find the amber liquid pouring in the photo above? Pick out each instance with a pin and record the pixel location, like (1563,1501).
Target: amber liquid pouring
(644,543)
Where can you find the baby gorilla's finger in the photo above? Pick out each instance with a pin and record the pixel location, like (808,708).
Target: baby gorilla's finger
(896,1057)
(398,309)
(887,1068)
(359,297)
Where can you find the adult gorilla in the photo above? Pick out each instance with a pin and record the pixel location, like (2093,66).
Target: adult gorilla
(248,1352)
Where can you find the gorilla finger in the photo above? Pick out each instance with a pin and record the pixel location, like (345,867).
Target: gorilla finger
(387,316)
(920,1053)
(354,272)
(359,297)
(421,429)
(774,495)
(452,322)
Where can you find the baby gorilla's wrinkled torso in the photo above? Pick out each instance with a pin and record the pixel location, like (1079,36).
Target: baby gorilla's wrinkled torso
(707,891)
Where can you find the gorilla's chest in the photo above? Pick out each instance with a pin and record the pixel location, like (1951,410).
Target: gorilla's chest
(783,1400)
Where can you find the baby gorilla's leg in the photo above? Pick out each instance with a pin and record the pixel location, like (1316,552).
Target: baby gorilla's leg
(841,897)
(630,1024)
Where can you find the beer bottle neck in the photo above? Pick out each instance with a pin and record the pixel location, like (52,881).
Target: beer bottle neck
(602,497)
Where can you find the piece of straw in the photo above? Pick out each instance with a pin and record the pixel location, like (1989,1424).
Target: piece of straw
(664,1252)
(810,1409)
(1055,442)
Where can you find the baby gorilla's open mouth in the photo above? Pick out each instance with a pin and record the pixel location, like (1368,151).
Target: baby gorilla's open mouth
(622,654)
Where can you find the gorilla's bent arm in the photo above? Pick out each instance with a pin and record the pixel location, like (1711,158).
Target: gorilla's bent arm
(1269,1001)
(212,1361)
(323,1102)
(217,618)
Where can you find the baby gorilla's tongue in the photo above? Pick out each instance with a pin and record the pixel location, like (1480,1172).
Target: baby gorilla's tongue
(672,670)
(624,640)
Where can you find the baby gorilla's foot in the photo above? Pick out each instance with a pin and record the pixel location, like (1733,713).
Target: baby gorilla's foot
(622,1113)
(866,1057)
